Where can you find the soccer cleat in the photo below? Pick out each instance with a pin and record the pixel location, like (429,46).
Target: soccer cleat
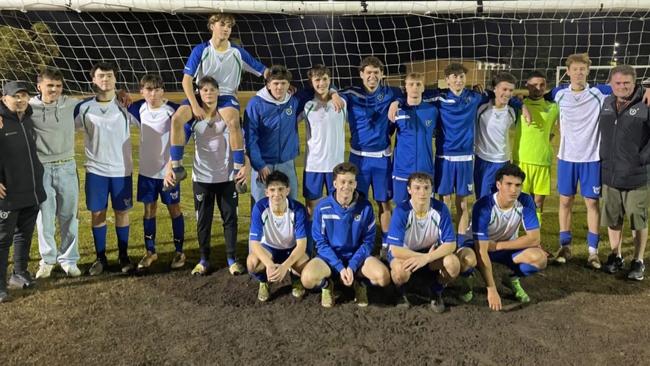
(21,280)
(637,270)
(297,289)
(178,261)
(125,264)
(147,260)
(360,294)
(201,269)
(593,261)
(467,282)
(403,302)
(4,296)
(517,290)
(438,304)
(327,295)
(44,270)
(97,268)
(241,188)
(236,269)
(264,292)
(563,255)
(71,269)
(614,264)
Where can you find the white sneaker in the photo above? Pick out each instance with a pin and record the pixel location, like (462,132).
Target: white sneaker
(44,270)
(71,269)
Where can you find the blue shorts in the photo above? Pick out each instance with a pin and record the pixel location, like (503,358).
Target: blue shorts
(454,177)
(99,187)
(150,188)
(400,191)
(485,173)
(227,101)
(375,172)
(312,184)
(279,255)
(505,257)
(569,174)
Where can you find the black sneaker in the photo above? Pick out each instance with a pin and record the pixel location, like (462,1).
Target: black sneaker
(614,264)
(637,270)
(21,280)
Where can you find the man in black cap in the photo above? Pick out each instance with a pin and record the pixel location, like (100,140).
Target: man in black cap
(21,184)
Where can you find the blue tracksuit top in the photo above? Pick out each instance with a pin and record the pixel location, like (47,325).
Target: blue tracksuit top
(368,117)
(416,126)
(271,127)
(344,237)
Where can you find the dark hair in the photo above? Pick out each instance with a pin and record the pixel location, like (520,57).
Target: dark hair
(318,70)
(371,61)
(455,68)
(153,79)
(511,170)
(503,77)
(104,66)
(279,72)
(277,176)
(536,74)
(207,80)
(49,73)
(624,70)
(419,176)
(345,167)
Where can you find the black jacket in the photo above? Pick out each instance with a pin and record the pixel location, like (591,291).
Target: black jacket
(20,170)
(625,143)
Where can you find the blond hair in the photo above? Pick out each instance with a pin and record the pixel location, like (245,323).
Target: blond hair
(582,58)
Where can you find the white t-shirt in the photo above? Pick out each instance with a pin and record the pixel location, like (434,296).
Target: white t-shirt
(212,158)
(155,125)
(491,139)
(325,136)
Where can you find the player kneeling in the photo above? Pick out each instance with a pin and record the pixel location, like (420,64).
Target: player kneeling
(496,219)
(344,233)
(278,240)
(422,238)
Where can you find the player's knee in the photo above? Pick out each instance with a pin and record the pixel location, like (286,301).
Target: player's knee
(174,210)
(398,275)
(451,264)
(467,259)
(310,278)
(251,263)
(538,259)
(381,277)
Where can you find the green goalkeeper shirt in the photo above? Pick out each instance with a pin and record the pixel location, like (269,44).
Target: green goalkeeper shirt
(532,145)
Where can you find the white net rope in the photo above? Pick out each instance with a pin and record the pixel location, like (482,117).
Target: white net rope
(159,42)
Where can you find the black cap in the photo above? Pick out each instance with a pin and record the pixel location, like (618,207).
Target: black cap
(13,87)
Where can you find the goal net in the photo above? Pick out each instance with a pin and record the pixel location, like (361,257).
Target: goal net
(156,36)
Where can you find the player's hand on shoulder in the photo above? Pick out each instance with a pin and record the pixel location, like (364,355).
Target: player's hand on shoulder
(199,113)
(337,102)
(124,98)
(3,191)
(392,111)
(477,88)
(494,300)
(526,113)
(1,122)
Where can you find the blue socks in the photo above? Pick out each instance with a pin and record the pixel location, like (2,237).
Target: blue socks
(178,230)
(122,234)
(592,242)
(525,269)
(99,237)
(149,226)
(565,238)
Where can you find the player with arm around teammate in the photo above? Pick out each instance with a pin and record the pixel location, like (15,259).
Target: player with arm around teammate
(421,237)
(278,238)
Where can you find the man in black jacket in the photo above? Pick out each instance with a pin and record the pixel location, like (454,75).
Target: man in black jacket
(625,167)
(21,184)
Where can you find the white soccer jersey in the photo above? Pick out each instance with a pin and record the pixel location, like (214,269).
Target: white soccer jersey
(107,137)
(579,114)
(155,124)
(491,137)
(278,230)
(325,136)
(212,159)
(422,233)
(490,222)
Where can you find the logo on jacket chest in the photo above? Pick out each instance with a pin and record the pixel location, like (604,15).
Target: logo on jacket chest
(288,111)
(380,97)
(634,111)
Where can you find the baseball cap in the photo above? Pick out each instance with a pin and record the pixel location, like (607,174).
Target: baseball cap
(13,87)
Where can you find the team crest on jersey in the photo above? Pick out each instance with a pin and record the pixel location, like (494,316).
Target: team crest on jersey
(288,111)
(470,187)
(127,202)
(174,195)
(380,97)
(428,122)
(357,218)
(596,189)
(633,111)
(199,197)
(4,215)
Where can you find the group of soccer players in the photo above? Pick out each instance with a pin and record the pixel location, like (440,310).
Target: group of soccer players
(329,241)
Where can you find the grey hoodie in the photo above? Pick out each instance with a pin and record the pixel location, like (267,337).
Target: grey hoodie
(54,127)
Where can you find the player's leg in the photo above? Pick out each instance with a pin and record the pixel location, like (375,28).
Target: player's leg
(589,175)
(229,111)
(525,263)
(316,274)
(7,230)
(172,198)
(121,191)
(446,269)
(376,273)
(400,193)
(204,197)
(289,168)
(22,238)
(67,188)
(257,269)
(567,178)
(177,140)
(147,193)
(481,183)
(464,176)
(467,262)
(96,189)
(400,277)
(312,189)
(636,203)
(380,179)
(612,216)
(227,201)
(46,225)
(297,289)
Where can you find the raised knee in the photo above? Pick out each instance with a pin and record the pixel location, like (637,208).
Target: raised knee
(452,265)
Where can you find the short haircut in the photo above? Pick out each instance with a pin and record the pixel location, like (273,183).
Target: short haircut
(207,80)
(371,61)
(217,17)
(503,77)
(154,80)
(277,176)
(318,70)
(104,66)
(623,69)
(419,176)
(455,68)
(414,76)
(536,74)
(511,170)
(345,167)
(49,73)
(582,58)
(279,72)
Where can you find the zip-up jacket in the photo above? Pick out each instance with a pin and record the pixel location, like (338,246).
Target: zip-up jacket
(344,237)
(416,126)
(625,142)
(20,170)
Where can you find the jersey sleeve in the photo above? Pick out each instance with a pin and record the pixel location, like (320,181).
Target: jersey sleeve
(257,226)
(397,227)
(194,60)
(529,212)
(551,97)
(367,240)
(134,109)
(300,224)
(251,64)
(322,243)
(481,220)
(606,89)
(446,225)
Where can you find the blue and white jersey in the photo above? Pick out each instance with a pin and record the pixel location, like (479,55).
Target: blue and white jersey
(490,222)
(107,137)
(225,67)
(407,230)
(212,158)
(368,117)
(416,126)
(344,237)
(271,127)
(279,232)
(325,136)
(155,124)
(492,134)
(579,116)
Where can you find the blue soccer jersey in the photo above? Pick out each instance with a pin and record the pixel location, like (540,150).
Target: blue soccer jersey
(416,126)
(490,222)
(406,230)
